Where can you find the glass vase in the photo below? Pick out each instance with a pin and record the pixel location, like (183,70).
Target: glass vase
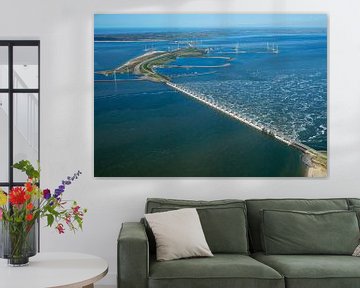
(18,242)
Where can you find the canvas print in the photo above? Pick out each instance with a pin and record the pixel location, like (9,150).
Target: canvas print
(210,95)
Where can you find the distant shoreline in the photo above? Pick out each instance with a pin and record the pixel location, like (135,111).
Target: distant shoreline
(130,41)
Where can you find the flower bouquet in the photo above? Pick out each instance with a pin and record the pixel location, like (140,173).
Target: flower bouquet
(21,208)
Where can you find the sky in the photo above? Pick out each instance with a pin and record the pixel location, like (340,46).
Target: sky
(208,20)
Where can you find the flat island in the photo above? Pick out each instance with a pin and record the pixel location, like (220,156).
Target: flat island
(144,65)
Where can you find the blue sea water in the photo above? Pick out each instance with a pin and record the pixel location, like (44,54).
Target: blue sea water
(148,129)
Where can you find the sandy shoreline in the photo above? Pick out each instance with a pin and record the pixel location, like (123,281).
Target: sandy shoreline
(317,171)
(317,166)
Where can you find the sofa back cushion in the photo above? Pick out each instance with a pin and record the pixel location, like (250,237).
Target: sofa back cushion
(223,221)
(255,206)
(353,201)
(354,205)
(298,232)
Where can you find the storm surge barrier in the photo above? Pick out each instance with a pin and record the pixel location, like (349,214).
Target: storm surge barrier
(257,126)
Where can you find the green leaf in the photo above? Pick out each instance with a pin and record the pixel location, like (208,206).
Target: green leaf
(53,211)
(50,219)
(79,221)
(26,167)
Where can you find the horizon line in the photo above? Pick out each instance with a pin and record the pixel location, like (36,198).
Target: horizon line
(209,27)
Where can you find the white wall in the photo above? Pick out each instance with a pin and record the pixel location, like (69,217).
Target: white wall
(65,28)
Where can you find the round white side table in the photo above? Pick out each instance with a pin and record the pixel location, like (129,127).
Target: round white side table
(50,270)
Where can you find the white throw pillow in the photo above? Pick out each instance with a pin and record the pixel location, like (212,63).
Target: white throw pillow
(178,234)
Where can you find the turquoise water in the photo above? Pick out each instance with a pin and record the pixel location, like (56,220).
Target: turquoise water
(147,129)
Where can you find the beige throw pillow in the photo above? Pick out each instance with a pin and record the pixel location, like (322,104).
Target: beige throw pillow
(178,234)
(357,251)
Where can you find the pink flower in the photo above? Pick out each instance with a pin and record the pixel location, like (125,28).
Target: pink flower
(1,214)
(76,210)
(68,219)
(60,228)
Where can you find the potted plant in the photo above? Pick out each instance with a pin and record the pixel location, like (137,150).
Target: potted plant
(21,208)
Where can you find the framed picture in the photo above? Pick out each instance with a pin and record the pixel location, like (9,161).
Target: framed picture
(210,95)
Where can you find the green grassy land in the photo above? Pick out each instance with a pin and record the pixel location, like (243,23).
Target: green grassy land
(145,64)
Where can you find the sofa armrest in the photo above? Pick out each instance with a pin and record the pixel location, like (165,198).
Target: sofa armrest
(133,256)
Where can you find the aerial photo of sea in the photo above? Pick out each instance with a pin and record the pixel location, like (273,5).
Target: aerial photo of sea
(210,95)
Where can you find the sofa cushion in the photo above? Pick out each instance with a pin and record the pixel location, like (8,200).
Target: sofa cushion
(354,205)
(353,201)
(255,206)
(224,221)
(356,209)
(178,234)
(297,232)
(222,270)
(314,271)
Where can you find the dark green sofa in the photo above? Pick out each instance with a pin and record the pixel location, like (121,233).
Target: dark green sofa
(232,230)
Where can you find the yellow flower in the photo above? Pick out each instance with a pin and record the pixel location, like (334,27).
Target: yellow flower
(3,198)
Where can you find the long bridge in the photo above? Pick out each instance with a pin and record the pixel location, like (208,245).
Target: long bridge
(300,146)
